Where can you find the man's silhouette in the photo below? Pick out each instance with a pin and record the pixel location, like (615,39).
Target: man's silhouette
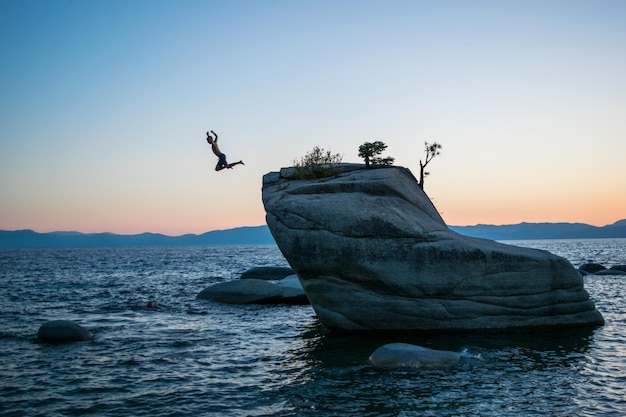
(221,162)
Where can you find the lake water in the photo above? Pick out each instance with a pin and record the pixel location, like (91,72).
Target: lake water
(193,357)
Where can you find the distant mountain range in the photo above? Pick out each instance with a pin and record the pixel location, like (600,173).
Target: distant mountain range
(530,231)
(260,235)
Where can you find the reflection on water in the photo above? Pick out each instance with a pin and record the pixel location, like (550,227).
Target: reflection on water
(501,372)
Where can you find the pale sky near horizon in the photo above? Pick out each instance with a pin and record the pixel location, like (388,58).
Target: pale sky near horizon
(104,106)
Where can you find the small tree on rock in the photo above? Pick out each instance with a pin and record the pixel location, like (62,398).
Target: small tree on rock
(370,151)
(432,150)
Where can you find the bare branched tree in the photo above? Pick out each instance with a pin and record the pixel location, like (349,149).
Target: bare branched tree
(432,150)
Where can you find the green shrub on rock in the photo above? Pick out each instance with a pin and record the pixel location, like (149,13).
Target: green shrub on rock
(317,163)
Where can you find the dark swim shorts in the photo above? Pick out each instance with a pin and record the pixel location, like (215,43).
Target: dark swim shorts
(222,161)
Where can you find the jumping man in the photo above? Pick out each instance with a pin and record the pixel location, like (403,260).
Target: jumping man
(221,163)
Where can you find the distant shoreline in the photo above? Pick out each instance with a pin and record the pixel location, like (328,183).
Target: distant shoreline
(260,235)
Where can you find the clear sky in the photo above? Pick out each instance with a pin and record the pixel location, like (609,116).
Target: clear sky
(104,106)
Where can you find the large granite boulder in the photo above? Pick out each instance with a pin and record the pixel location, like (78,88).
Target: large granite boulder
(373,253)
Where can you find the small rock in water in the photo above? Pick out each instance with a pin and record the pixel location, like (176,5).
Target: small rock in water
(270,273)
(290,281)
(399,355)
(591,268)
(254,291)
(293,293)
(245,291)
(610,271)
(62,331)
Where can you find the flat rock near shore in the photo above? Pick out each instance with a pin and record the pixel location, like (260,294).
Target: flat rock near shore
(373,253)
(256,291)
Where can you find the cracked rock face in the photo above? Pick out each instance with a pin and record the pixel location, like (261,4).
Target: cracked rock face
(373,253)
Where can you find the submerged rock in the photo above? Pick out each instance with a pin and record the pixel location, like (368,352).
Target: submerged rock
(373,253)
(63,331)
(397,355)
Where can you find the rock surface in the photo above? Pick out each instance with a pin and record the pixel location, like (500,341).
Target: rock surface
(63,331)
(373,253)
(396,355)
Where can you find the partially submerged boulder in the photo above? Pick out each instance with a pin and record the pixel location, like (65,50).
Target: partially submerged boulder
(591,268)
(270,273)
(610,271)
(256,291)
(373,253)
(400,355)
(63,331)
(597,269)
(291,282)
(293,293)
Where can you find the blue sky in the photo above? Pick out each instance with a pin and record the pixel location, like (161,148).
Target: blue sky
(105,105)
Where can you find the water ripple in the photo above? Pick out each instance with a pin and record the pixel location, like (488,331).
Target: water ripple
(193,357)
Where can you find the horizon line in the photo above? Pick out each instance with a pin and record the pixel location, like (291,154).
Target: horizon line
(261,225)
